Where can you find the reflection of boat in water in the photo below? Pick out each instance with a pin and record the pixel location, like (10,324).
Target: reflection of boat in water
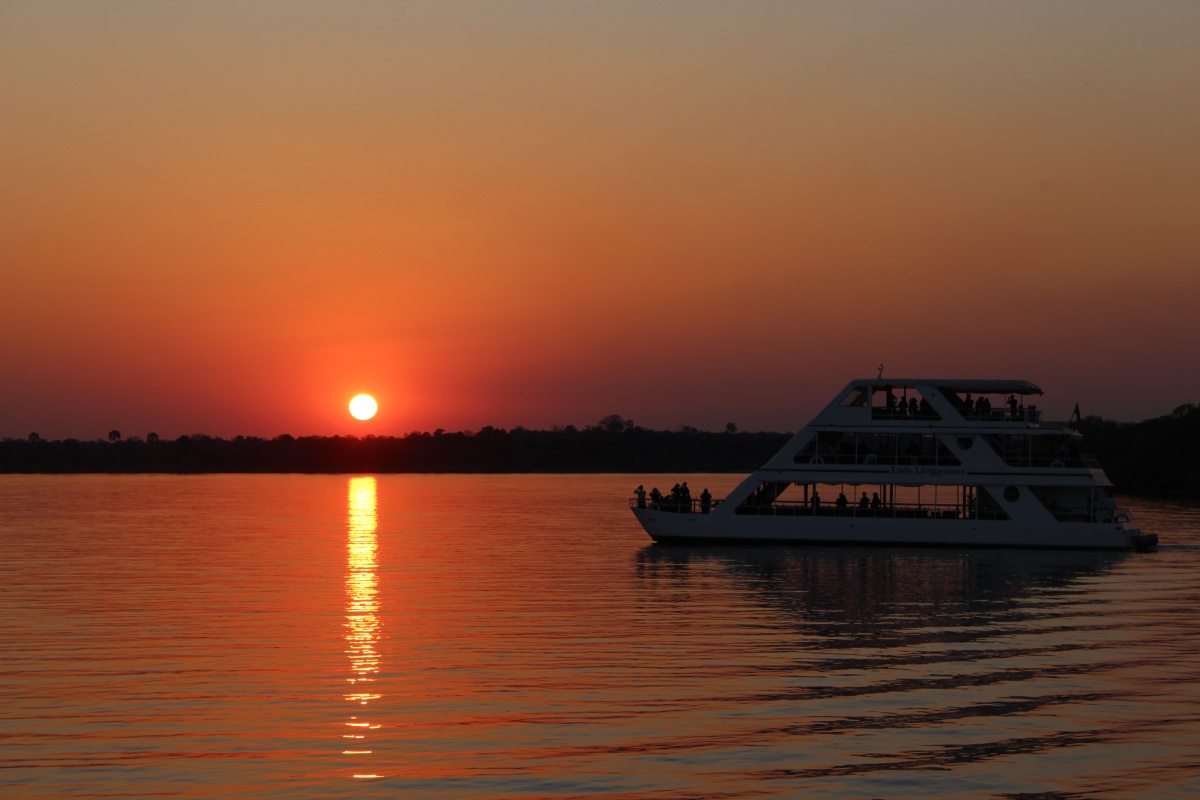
(879,583)
(934,466)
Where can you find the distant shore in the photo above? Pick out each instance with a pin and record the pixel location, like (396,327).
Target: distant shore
(1155,457)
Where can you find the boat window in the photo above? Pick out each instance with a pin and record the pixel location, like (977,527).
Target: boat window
(883,449)
(1021,450)
(944,455)
(856,397)
(1011,493)
(965,442)
(872,500)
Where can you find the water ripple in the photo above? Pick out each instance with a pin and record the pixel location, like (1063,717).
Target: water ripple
(516,637)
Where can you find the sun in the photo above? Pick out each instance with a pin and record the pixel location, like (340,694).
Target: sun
(363,406)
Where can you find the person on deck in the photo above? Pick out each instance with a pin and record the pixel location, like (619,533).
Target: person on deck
(863,501)
(842,502)
(705,501)
(640,494)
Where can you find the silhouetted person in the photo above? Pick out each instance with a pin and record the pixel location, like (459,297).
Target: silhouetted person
(640,493)
(874,499)
(841,501)
(913,407)
(816,501)
(969,406)
(1012,405)
(655,497)
(705,501)
(863,502)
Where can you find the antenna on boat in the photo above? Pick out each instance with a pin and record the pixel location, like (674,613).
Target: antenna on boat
(880,375)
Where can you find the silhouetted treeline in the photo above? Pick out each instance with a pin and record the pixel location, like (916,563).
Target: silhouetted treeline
(1158,456)
(1154,457)
(615,445)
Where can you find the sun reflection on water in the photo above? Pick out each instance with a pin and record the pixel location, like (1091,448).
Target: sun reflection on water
(362,605)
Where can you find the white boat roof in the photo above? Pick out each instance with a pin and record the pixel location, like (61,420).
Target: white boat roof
(956,385)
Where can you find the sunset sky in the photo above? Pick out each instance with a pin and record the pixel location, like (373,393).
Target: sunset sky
(230,217)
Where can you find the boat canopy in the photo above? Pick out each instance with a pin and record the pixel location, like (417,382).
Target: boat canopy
(956,385)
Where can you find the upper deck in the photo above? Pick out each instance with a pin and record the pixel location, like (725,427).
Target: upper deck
(935,402)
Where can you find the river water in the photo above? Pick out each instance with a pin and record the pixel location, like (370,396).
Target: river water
(518,636)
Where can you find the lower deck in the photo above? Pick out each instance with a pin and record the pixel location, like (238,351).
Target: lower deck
(845,527)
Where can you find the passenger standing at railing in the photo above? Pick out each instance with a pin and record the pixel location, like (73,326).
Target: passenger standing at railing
(969,408)
(874,499)
(1012,405)
(816,501)
(842,502)
(863,502)
(640,493)
(655,497)
(705,501)
(913,407)
(685,494)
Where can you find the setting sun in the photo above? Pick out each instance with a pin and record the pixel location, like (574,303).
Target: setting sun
(363,406)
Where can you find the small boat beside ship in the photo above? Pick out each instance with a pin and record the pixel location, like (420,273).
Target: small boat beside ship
(926,462)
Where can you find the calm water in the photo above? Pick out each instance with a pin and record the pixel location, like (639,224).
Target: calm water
(518,637)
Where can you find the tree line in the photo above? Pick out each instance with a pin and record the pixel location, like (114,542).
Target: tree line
(1154,457)
(613,445)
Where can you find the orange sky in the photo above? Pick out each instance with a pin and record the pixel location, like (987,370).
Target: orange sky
(231,217)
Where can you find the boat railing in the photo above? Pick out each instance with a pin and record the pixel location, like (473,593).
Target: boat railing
(693,506)
(1032,414)
(897,510)
(890,510)
(785,508)
(895,414)
(877,459)
(1049,462)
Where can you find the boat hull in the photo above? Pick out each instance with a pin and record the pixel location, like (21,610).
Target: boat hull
(671,527)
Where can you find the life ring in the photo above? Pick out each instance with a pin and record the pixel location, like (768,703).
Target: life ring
(816,460)
(1057,463)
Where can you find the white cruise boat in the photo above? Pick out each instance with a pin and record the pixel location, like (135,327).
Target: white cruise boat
(949,463)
